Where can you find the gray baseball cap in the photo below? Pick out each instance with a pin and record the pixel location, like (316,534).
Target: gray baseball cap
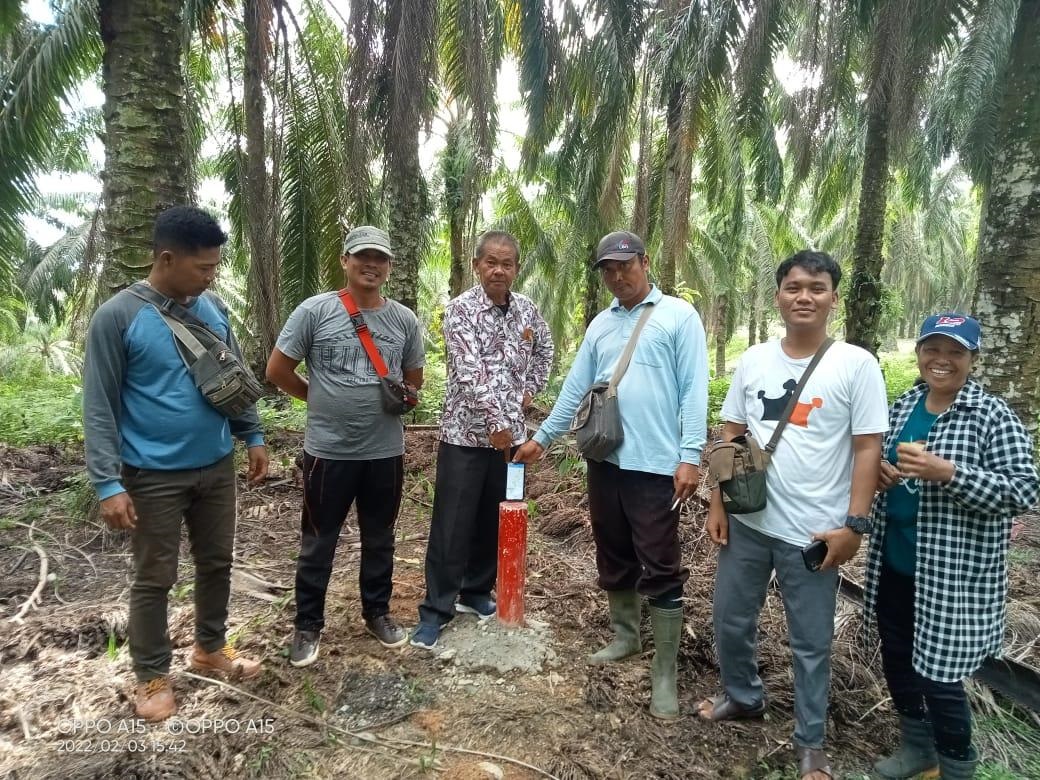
(367,237)
(619,245)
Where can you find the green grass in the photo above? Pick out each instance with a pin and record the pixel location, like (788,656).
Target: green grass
(41,410)
(900,371)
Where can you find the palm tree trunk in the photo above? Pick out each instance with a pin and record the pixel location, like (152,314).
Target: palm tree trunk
(641,207)
(863,304)
(459,276)
(752,311)
(763,326)
(265,263)
(1009,239)
(678,173)
(410,35)
(721,316)
(591,303)
(146,152)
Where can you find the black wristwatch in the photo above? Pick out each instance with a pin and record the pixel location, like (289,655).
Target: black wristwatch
(860,524)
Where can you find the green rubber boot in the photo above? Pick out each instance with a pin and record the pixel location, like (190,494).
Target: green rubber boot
(916,753)
(949,769)
(664,698)
(624,620)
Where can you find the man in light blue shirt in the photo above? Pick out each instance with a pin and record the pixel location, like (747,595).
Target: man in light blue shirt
(635,492)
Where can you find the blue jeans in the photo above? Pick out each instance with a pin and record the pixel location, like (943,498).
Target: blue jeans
(745,566)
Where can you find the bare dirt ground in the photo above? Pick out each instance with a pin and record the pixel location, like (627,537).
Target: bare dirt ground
(365,712)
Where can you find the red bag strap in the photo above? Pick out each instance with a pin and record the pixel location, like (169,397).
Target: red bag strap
(363,332)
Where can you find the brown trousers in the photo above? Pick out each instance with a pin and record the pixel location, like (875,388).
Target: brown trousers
(204,500)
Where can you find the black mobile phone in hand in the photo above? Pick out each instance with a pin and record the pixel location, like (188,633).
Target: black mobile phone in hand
(814,553)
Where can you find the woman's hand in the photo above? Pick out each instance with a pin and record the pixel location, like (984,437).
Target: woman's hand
(888,477)
(917,462)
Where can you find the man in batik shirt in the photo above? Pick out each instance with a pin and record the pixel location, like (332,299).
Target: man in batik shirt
(499,351)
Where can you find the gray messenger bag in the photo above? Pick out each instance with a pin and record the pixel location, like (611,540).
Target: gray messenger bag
(224,382)
(597,423)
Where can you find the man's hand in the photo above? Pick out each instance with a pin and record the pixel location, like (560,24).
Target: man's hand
(915,461)
(118,512)
(888,477)
(527,400)
(717,524)
(257,465)
(502,440)
(842,545)
(687,477)
(529,452)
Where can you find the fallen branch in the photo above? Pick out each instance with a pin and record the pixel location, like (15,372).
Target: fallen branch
(365,737)
(35,595)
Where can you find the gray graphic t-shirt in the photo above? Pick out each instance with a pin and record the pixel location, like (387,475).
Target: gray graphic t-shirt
(345,417)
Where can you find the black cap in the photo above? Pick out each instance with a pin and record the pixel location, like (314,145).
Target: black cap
(619,245)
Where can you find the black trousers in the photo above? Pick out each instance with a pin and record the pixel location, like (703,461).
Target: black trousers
(915,696)
(329,489)
(636,531)
(462,555)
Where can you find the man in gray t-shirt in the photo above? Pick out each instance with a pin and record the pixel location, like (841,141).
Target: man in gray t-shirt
(353,449)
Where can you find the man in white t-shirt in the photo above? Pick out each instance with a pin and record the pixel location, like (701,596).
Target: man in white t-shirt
(820,484)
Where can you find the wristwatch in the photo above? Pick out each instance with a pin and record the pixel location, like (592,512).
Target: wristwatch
(860,524)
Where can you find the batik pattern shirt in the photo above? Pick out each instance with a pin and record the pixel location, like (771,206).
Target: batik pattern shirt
(963,529)
(493,359)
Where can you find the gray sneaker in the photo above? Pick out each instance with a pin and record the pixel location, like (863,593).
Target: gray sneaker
(304,650)
(385,629)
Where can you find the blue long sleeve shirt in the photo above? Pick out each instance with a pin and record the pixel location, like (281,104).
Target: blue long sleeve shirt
(663,397)
(140,405)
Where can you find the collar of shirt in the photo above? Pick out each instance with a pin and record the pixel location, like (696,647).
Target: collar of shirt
(968,397)
(486,302)
(654,296)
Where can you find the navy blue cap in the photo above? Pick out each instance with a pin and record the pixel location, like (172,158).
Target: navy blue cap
(963,329)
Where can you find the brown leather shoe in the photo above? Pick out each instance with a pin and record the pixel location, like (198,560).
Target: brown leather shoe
(154,700)
(226,661)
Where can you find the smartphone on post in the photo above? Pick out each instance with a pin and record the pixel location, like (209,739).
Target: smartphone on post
(814,553)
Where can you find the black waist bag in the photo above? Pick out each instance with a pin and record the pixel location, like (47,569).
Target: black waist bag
(224,382)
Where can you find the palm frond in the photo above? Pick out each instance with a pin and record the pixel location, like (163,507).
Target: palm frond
(52,62)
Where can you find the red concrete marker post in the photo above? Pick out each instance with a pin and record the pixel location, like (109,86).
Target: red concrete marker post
(512,562)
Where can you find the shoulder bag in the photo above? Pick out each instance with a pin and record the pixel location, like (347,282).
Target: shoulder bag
(597,422)
(397,397)
(739,466)
(217,371)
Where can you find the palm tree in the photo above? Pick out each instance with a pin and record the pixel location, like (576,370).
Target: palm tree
(1009,239)
(260,196)
(147,156)
(39,65)
(409,37)
(895,45)
(469,74)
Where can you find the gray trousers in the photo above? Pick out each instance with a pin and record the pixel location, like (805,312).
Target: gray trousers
(203,500)
(745,566)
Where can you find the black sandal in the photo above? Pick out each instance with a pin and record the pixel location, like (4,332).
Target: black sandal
(724,708)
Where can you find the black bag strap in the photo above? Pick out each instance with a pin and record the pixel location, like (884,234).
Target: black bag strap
(169,307)
(775,439)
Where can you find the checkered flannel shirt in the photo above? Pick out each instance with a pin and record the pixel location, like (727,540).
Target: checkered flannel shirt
(963,529)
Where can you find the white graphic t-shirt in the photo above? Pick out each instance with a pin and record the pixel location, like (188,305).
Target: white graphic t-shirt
(810,476)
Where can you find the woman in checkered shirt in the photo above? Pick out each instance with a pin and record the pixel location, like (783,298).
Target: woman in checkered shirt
(958,466)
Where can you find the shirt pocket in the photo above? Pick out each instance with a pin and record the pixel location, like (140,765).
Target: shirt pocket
(654,348)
